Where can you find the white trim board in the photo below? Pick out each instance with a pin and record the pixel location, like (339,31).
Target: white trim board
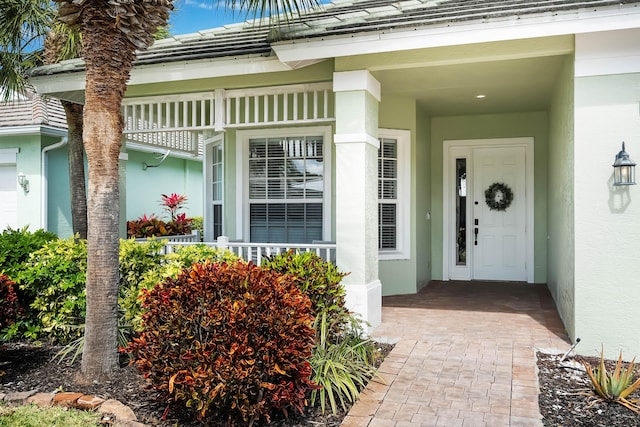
(538,25)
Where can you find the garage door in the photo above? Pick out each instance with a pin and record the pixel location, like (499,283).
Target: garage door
(8,196)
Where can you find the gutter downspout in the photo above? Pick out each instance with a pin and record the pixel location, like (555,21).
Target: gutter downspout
(44,193)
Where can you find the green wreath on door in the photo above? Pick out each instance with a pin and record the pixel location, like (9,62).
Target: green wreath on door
(498,196)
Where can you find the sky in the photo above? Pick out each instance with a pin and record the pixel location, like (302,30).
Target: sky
(190,16)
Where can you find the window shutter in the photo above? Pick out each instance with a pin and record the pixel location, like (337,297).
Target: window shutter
(387,193)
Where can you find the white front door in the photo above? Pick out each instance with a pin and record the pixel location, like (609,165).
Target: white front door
(480,241)
(499,234)
(8,197)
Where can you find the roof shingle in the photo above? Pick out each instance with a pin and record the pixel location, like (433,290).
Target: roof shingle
(342,18)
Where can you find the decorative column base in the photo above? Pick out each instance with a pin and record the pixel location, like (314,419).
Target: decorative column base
(366,300)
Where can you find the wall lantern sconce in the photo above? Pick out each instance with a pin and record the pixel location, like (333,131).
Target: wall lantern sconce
(624,170)
(23,182)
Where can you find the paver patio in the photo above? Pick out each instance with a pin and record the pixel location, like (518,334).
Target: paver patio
(465,356)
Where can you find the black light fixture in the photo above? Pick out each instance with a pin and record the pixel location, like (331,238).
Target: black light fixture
(624,170)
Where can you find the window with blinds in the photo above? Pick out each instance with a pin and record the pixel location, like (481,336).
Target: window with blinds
(388,194)
(286,189)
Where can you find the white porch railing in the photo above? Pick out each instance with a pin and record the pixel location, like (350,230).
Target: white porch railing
(257,252)
(193,237)
(281,105)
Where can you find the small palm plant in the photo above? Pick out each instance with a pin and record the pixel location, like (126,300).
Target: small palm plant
(616,386)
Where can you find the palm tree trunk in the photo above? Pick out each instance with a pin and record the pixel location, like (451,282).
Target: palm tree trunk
(109,59)
(76,168)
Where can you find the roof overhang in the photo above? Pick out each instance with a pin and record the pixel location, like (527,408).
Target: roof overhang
(459,33)
(32,130)
(70,86)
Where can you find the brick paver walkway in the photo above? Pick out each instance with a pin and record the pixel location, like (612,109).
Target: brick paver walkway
(465,356)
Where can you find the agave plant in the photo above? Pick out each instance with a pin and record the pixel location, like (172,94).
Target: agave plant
(615,386)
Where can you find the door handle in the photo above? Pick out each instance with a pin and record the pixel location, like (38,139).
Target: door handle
(475,232)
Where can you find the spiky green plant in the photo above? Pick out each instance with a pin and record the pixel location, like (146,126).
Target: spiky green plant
(341,368)
(615,386)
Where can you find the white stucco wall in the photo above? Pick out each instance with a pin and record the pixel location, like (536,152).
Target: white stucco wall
(607,218)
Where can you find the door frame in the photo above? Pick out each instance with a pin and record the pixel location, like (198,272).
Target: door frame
(450,151)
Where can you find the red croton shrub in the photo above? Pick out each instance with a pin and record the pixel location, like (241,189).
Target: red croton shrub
(150,226)
(9,307)
(229,341)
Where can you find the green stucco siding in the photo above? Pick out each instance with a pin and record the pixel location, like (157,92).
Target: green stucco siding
(422,197)
(561,262)
(146,186)
(28,163)
(607,231)
(400,276)
(58,189)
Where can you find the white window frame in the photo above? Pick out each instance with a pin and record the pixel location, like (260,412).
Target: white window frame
(207,164)
(242,167)
(403,214)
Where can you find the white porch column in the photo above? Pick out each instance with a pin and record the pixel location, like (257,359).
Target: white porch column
(357,96)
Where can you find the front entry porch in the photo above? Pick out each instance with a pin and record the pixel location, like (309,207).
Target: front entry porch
(464,355)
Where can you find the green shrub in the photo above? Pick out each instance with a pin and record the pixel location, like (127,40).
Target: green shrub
(227,340)
(143,266)
(340,368)
(197,223)
(318,279)
(188,255)
(17,245)
(136,258)
(9,307)
(54,282)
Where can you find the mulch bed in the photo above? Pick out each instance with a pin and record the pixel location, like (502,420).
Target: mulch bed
(25,367)
(565,397)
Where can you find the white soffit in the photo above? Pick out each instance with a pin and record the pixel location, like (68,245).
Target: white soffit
(458,34)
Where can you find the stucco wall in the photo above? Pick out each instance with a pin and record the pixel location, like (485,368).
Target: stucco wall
(607,227)
(534,124)
(400,276)
(607,230)
(423,198)
(561,262)
(174,175)
(59,197)
(27,162)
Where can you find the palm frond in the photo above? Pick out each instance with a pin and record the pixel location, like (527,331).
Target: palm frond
(278,12)
(22,22)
